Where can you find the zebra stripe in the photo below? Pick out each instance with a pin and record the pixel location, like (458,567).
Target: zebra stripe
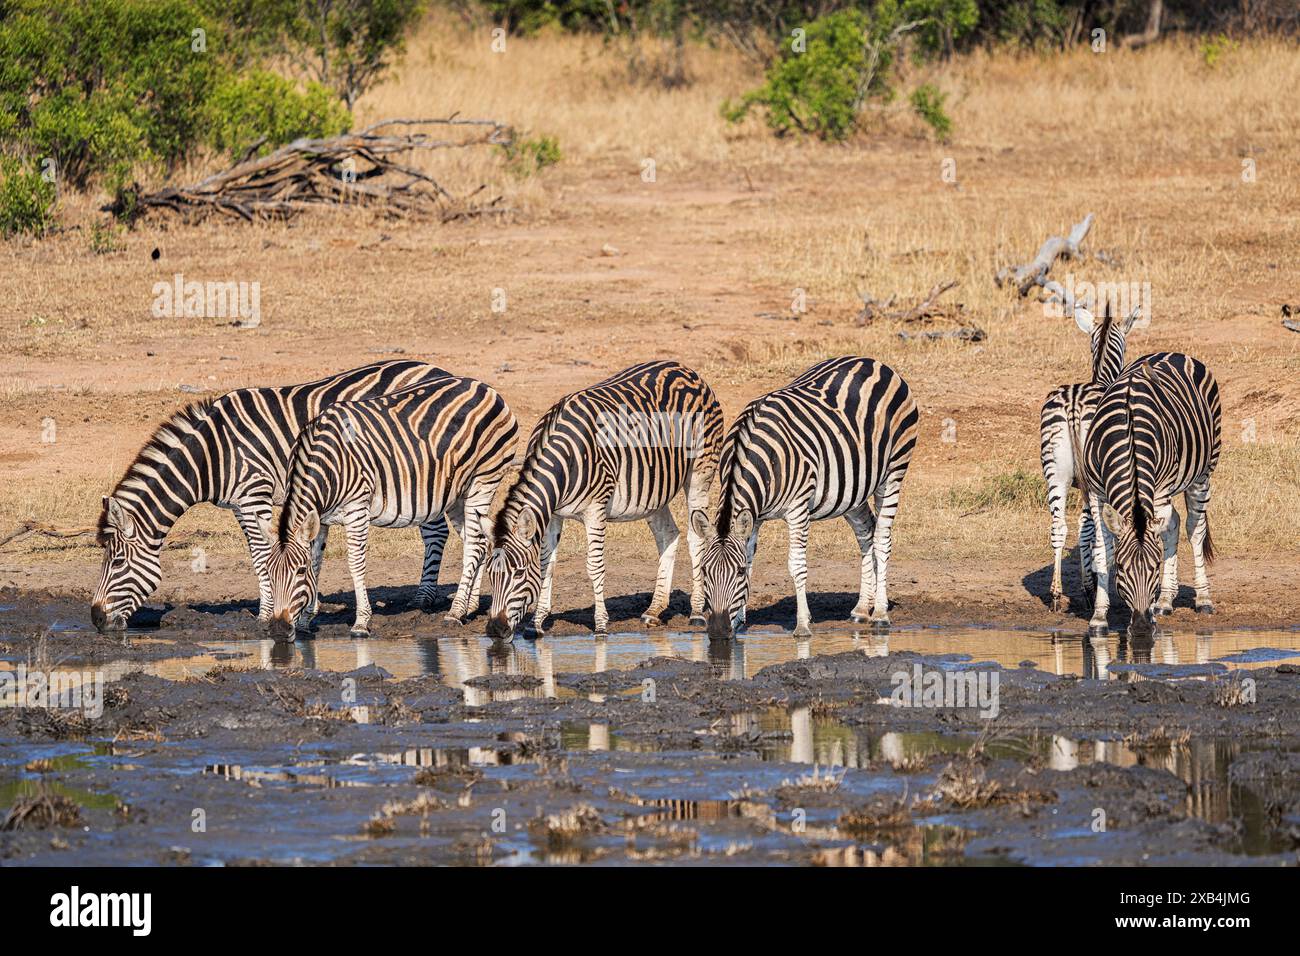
(1063,424)
(620,450)
(1155,434)
(232,452)
(422,456)
(834,442)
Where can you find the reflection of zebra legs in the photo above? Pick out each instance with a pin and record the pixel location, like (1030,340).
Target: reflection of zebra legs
(434,534)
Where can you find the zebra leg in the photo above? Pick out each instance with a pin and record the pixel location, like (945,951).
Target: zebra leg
(1101,561)
(1058,469)
(667,535)
(357,524)
(886,509)
(434,535)
(1169,580)
(797,522)
(594,521)
(863,522)
(751,549)
(317,557)
(469,516)
(1197,499)
(1087,531)
(250,517)
(550,551)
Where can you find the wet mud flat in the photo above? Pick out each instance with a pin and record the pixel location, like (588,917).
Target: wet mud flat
(433,745)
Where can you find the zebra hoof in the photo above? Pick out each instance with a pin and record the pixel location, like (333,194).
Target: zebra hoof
(426,605)
(1097,629)
(453,619)
(802,630)
(359,632)
(1058,603)
(880,623)
(600,633)
(697,620)
(859,617)
(651,621)
(1205,608)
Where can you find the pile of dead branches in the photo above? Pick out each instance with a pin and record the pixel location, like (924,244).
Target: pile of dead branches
(930,320)
(370,167)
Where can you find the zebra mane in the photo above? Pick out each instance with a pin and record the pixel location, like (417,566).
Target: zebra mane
(727,466)
(501,524)
(168,436)
(1102,341)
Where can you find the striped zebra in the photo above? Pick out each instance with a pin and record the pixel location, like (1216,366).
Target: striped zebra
(232,452)
(834,442)
(1155,434)
(421,456)
(620,450)
(1062,426)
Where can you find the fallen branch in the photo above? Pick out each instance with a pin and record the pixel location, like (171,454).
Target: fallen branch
(1034,273)
(360,168)
(927,311)
(36,527)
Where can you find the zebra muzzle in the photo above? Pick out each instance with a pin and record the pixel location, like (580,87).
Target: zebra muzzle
(103,622)
(282,628)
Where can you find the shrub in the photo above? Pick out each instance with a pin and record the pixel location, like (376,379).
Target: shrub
(26,199)
(265,110)
(823,79)
(525,156)
(102,84)
(927,102)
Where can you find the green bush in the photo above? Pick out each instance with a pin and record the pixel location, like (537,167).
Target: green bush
(816,87)
(100,85)
(927,102)
(822,80)
(26,199)
(525,156)
(267,110)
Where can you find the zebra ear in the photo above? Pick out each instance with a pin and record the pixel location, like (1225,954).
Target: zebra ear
(1132,318)
(1112,519)
(118,519)
(742,524)
(526,526)
(1084,319)
(700,524)
(264,525)
(308,530)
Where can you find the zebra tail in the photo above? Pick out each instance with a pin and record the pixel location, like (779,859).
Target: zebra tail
(1207,548)
(1076,451)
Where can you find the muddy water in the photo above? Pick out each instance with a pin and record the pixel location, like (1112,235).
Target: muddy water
(767,750)
(459,658)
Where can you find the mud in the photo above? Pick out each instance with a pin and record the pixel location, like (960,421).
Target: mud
(430,744)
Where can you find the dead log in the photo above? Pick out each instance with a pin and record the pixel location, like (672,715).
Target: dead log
(926,312)
(37,527)
(364,168)
(1034,273)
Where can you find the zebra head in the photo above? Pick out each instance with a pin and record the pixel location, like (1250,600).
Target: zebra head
(1139,562)
(724,568)
(289,568)
(131,570)
(514,573)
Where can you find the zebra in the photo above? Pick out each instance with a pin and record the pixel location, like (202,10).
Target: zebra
(233,452)
(422,456)
(834,442)
(1155,434)
(1064,419)
(619,450)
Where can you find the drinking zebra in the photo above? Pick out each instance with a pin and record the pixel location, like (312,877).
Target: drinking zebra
(834,442)
(1155,433)
(1062,427)
(232,452)
(406,458)
(619,450)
